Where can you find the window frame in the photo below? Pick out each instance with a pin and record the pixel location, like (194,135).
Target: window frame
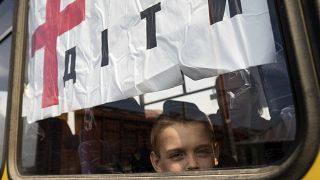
(304,84)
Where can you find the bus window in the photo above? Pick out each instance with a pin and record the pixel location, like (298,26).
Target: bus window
(4,65)
(256,128)
(6,16)
(6,9)
(251,112)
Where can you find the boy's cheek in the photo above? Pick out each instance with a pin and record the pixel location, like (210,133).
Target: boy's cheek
(206,163)
(172,166)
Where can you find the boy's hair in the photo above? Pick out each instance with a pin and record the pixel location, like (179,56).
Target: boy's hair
(177,112)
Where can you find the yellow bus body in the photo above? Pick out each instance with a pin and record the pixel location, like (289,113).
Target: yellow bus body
(5,174)
(314,171)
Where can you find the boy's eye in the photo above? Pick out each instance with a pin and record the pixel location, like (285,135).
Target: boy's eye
(176,156)
(205,152)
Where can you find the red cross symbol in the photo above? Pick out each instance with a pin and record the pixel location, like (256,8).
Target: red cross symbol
(46,36)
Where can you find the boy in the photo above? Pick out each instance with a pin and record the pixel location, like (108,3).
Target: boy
(183,139)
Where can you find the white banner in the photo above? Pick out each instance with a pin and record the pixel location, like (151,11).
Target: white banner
(84,53)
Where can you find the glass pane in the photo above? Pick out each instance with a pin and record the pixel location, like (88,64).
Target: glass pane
(6,12)
(240,119)
(5,47)
(6,16)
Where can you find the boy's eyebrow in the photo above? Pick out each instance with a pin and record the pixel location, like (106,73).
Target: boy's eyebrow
(183,150)
(175,150)
(203,146)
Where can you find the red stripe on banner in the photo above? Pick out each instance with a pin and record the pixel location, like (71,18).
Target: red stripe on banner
(45,37)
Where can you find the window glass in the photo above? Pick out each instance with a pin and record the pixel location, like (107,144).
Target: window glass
(6,11)
(6,16)
(244,118)
(5,47)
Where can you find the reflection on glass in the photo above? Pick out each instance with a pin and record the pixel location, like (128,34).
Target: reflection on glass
(252,118)
(251,112)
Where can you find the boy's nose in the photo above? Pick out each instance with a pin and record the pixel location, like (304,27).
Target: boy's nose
(192,163)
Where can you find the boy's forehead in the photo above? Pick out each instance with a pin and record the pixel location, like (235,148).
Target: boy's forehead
(182,131)
(188,124)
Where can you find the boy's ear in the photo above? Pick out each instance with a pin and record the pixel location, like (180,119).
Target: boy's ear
(155,161)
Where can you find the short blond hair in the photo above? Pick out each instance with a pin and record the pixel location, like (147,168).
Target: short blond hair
(164,121)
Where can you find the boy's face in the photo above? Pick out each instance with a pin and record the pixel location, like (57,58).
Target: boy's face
(183,147)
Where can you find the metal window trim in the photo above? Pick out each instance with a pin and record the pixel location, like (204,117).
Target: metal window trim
(5,34)
(312,24)
(305,86)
